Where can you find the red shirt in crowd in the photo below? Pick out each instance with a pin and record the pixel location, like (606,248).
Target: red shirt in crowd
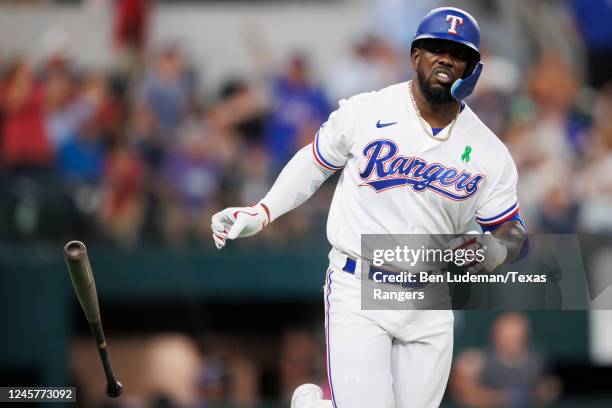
(24,141)
(131,20)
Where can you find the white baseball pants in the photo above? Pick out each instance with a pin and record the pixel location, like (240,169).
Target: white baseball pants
(383,358)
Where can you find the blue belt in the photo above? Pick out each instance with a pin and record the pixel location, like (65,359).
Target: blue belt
(351,265)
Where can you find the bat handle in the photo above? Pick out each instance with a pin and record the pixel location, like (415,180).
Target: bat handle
(113,387)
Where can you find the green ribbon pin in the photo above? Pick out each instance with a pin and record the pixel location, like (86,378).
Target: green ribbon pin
(466,155)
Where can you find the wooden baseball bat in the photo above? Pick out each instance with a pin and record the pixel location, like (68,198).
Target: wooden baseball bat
(82,278)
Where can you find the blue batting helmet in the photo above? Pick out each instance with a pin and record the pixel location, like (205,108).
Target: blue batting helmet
(453,24)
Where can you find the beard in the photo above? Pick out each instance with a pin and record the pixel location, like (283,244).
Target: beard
(435,95)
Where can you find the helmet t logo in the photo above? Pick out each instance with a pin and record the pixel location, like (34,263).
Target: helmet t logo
(454,20)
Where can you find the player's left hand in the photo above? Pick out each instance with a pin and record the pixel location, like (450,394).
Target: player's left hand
(495,253)
(238,222)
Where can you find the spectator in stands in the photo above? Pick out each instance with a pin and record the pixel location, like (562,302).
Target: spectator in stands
(144,135)
(131,26)
(80,161)
(395,20)
(596,187)
(191,176)
(168,91)
(298,107)
(122,199)
(592,19)
(372,65)
(25,140)
(89,121)
(105,106)
(66,110)
(254,177)
(33,199)
(511,374)
(547,143)
(243,106)
(498,85)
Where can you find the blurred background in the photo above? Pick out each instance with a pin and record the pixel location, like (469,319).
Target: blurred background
(127,123)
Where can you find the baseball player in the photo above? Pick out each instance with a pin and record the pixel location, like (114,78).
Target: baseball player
(414,159)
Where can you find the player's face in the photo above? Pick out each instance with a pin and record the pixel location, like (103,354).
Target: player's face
(438,65)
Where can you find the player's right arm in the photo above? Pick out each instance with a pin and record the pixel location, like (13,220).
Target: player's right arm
(498,214)
(297,182)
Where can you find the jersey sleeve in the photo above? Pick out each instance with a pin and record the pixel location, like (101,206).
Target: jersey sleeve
(330,146)
(498,202)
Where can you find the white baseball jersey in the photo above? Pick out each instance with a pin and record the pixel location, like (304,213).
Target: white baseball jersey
(397,179)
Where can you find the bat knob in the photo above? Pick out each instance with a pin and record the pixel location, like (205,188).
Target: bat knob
(114,390)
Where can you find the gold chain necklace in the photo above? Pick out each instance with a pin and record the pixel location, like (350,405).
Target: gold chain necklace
(424,123)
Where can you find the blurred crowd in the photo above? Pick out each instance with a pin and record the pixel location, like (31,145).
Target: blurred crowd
(510,372)
(173,370)
(170,370)
(138,153)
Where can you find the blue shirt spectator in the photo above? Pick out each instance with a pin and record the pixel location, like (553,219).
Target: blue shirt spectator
(80,159)
(593,20)
(167,90)
(298,109)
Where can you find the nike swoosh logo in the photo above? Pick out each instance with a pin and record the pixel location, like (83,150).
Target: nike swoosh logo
(244,212)
(382,125)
